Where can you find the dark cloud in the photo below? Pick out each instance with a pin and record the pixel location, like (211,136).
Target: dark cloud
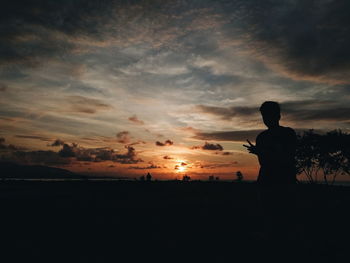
(123,137)
(229,112)
(67,154)
(36,30)
(235,136)
(209,147)
(217,165)
(333,115)
(166,143)
(137,142)
(107,154)
(18,155)
(240,136)
(33,32)
(129,157)
(135,120)
(150,166)
(167,157)
(69,150)
(100,154)
(36,157)
(82,104)
(3,87)
(308,39)
(34,137)
(314,110)
(224,153)
(297,111)
(103,154)
(57,142)
(182,164)
(8,147)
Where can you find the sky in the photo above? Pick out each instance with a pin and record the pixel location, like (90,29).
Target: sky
(122,88)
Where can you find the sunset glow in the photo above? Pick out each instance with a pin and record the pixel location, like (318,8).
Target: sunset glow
(126,89)
(181,169)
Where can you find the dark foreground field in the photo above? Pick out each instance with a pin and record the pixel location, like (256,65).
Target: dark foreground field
(124,221)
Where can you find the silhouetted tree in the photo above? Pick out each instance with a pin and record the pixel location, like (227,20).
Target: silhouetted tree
(328,154)
(307,155)
(332,159)
(211,178)
(149,177)
(142,178)
(345,147)
(217,178)
(186,178)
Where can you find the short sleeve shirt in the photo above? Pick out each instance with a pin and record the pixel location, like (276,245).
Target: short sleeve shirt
(277,163)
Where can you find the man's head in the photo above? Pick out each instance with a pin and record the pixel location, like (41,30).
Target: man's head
(271,113)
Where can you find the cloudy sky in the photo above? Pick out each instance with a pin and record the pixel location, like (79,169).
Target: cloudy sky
(168,87)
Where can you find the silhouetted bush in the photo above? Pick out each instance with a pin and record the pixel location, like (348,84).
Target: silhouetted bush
(325,155)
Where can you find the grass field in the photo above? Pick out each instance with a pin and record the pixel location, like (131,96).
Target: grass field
(124,221)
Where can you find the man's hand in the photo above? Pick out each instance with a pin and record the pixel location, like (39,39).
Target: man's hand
(251,147)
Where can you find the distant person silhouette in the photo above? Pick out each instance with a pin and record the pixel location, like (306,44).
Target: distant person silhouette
(239,176)
(275,148)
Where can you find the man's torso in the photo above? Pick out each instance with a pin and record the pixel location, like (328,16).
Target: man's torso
(279,142)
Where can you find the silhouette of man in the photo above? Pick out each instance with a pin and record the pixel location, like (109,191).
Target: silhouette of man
(275,149)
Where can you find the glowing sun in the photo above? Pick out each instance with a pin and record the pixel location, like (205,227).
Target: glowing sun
(181,166)
(181,169)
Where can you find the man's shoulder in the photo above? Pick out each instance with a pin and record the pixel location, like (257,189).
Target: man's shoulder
(288,131)
(262,134)
(283,131)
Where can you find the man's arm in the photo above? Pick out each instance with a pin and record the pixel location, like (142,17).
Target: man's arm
(251,147)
